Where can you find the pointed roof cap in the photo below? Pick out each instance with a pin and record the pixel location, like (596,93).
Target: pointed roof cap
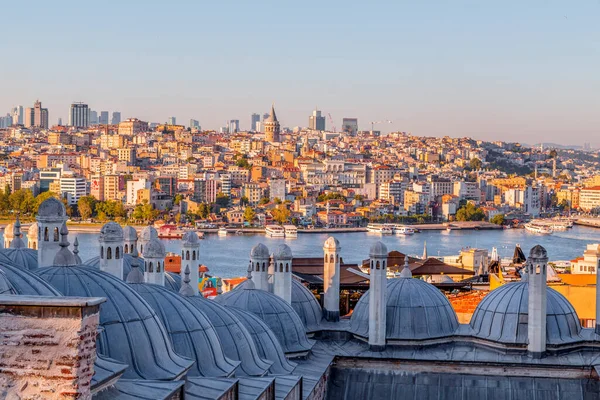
(406,272)
(17,242)
(272,117)
(76,252)
(249,283)
(64,257)
(186,288)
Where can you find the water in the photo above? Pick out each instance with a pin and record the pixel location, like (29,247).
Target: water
(228,256)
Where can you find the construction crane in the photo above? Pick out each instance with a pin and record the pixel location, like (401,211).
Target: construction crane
(373,123)
(331,121)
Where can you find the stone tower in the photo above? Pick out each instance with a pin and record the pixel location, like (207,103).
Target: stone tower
(377,296)
(147,234)
(154,260)
(272,128)
(50,218)
(111,249)
(32,236)
(190,254)
(259,263)
(331,279)
(130,239)
(537,265)
(282,272)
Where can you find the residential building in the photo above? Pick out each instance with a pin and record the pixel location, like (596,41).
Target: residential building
(73,188)
(589,198)
(133,187)
(277,189)
(132,126)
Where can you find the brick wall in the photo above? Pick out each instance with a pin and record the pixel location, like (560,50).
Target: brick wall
(464,304)
(47,351)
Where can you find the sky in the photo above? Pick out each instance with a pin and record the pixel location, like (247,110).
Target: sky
(508,70)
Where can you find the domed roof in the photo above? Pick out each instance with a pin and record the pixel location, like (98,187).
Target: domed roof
(32,232)
(415,310)
(378,250)
(502,316)
(111,231)
(64,257)
(23,257)
(173,281)
(259,251)
(9,231)
(190,330)
(129,233)
(5,286)
(282,252)
(538,252)
(148,233)
(235,338)
(51,208)
(25,282)
(190,238)
(267,344)
(154,249)
(132,332)
(332,243)
(275,312)
(306,305)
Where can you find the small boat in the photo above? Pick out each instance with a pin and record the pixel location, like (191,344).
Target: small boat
(290,231)
(222,232)
(448,229)
(380,229)
(239,232)
(538,229)
(274,231)
(402,230)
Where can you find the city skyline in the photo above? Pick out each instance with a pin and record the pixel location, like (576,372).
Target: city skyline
(514,72)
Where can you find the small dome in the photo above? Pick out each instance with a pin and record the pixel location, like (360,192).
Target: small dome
(235,338)
(148,233)
(538,252)
(276,313)
(332,244)
(23,257)
(129,233)
(154,249)
(306,305)
(259,251)
(282,252)
(378,250)
(267,344)
(52,208)
(415,310)
(25,282)
(9,231)
(502,316)
(32,232)
(190,238)
(111,231)
(132,332)
(190,331)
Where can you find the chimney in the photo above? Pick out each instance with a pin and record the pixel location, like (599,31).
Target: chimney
(331,279)
(190,258)
(259,262)
(537,264)
(377,297)
(282,272)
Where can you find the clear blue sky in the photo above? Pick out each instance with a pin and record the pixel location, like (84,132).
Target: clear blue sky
(512,70)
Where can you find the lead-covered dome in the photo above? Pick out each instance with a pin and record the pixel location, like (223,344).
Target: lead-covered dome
(132,332)
(190,238)
(190,331)
(154,249)
(276,313)
(5,286)
(129,233)
(259,251)
(148,233)
(378,249)
(415,310)
(502,316)
(23,257)
(52,208)
(282,252)
(306,305)
(111,231)
(25,282)
(332,244)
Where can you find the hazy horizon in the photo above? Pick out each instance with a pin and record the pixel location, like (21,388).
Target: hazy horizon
(510,71)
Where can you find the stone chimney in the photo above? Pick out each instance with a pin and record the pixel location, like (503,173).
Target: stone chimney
(377,296)
(282,272)
(190,256)
(48,346)
(537,265)
(260,261)
(331,279)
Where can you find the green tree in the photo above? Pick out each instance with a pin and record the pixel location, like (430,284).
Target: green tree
(204,210)
(177,199)
(475,164)
(86,206)
(263,201)
(5,199)
(242,162)
(222,200)
(280,214)
(331,196)
(277,200)
(470,213)
(244,201)
(40,198)
(249,214)
(497,219)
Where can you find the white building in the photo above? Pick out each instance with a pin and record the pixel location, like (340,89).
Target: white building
(589,262)
(277,189)
(132,190)
(74,188)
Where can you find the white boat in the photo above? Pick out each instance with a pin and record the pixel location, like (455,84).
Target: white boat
(222,232)
(274,231)
(538,229)
(403,230)
(380,229)
(290,231)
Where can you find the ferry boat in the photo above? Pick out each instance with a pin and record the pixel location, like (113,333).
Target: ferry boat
(403,230)
(222,232)
(380,229)
(274,231)
(290,231)
(169,232)
(538,228)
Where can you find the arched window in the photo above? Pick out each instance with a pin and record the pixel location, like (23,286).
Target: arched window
(264,267)
(102,252)
(142,248)
(150,267)
(187,255)
(194,255)
(35,245)
(117,253)
(287,267)
(377,266)
(280,267)
(383,263)
(325,257)
(182,255)
(56,234)
(537,269)
(371,264)
(257,268)
(108,253)
(331,258)
(158,267)
(337,257)
(126,249)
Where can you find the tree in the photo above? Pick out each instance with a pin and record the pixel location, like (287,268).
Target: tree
(280,214)
(86,206)
(40,198)
(244,201)
(242,162)
(263,201)
(203,210)
(470,213)
(177,199)
(475,164)
(498,219)
(277,200)
(249,214)
(222,200)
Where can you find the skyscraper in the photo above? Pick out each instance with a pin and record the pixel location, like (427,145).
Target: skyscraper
(116,118)
(79,115)
(17,115)
(350,126)
(254,118)
(233,126)
(272,127)
(194,124)
(28,117)
(172,121)
(93,117)
(103,120)
(316,121)
(40,115)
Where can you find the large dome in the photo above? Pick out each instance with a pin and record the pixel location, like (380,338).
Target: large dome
(5,286)
(306,305)
(132,332)
(25,282)
(267,344)
(235,338)
(51,208)
(276,313)
(190,331)
(282,252)
(22,256)
(415,310)
(148,233)
(502,316)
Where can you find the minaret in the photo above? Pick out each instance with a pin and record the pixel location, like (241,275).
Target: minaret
(425,250)
(32,236)
(377,296)
(130,239)
(272,128)
(111,249)
(51,216)
(187,289)
(190,254)
(8,235)
(331,279)
(17,242)
(536,313)
(282,272)
(259,261)
(154,259)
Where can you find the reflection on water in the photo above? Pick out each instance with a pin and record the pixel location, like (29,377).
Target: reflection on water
(228,256)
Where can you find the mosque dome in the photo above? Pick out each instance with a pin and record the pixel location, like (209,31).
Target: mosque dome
(282,252)
(51,208)
(267,344)
(538,252)
(502,316)
(111,231)
(132,332)
(32,232)
(190,331)
(378,250)
(148,233)
(23,257)
(190,238)
(235,338)
(332,243)
(5,286)
(154,249)
(306,305)
(259,251)
(415,310)
(129,233)
(276,313)
(172,281)
(26,282)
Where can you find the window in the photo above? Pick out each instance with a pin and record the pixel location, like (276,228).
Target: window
(126,249)
(117,253)
(331,258)
(377,266)
(56,234)
(102,252)
(287,267)
(150,267)
(158,267)
(194,255)
(108,253)
(264,267)
(280,267)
